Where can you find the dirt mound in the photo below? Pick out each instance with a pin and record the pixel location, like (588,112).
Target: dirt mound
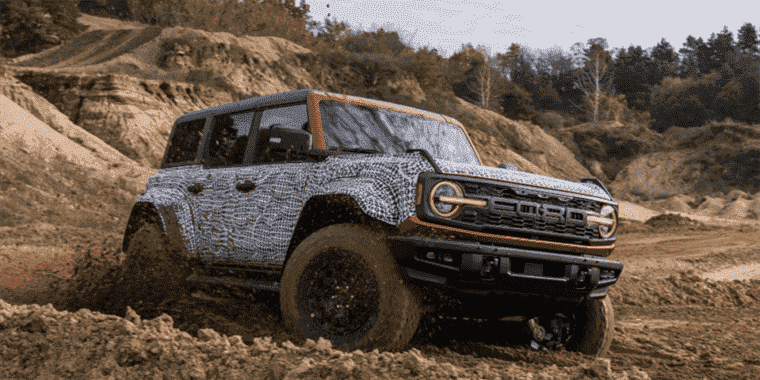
(708,160)
(684,288)
(40,342)
(674,221)
(608,146)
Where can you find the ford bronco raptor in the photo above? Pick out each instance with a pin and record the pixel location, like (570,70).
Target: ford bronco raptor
(364,215)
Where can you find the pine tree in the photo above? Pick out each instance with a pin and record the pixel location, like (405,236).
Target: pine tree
(748,41)
(723,50)
(665,61)
(696,57)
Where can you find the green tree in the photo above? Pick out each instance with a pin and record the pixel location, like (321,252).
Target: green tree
(684,102)
(664,60)
(696,57)
(748,41)
(517,103)
(723,50)
(507,62)
(30,26)
(633,75)
(429,71)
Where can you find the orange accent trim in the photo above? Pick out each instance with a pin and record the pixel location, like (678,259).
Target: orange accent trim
(413,223)
(314,98)
(419,194)
(463,201)
(315,122)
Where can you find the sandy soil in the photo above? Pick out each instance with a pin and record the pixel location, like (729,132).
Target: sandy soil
(676,319)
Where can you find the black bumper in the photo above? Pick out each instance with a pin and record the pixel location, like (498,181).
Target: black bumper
(474,268)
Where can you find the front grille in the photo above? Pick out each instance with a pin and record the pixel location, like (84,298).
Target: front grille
(529,212)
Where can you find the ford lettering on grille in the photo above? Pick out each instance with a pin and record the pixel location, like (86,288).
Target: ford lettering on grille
(547,213)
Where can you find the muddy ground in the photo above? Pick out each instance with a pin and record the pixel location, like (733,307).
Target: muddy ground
(679,316)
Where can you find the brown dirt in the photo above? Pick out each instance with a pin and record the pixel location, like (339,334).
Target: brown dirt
(671,323)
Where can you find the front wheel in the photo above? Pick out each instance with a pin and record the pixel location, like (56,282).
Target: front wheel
(587,329)
(341,283)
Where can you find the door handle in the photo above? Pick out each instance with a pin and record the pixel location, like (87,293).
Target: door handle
(195,188)
(245,186)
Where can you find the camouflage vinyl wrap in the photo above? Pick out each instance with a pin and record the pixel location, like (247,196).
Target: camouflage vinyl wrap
(222,223)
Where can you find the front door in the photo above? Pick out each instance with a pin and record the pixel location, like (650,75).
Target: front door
(265,198)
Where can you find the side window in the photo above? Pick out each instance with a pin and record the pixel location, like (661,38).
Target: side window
(184,143)
(229,139)
(295,117)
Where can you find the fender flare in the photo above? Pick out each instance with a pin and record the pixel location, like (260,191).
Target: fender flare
(160,205)
(373,197)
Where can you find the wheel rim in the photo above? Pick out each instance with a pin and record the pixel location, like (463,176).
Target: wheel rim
(549,332)
(339,294)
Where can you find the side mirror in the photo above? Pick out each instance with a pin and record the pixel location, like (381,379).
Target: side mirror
(507,166)
(290,139)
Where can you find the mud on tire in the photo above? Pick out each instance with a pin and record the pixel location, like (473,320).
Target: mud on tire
(342,283)
(154,269)
(594,327)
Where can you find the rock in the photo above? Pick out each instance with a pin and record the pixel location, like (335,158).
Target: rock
(737,194)
(205,335)
(710,206)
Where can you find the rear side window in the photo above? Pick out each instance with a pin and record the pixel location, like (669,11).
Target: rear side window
(184,143)
(229,139)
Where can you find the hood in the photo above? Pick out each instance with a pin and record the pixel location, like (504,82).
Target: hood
(415,162)
(451,167)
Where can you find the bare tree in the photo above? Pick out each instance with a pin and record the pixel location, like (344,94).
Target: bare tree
(485,76)
(595,77)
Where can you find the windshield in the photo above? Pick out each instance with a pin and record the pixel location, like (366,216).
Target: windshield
(350,126)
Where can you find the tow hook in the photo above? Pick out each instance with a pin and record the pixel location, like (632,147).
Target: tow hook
(489,266)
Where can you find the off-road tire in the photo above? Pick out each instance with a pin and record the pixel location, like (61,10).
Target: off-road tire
(154,269)
(388,305)
(594,327)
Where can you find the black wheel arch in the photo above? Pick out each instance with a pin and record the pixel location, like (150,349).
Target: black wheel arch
(324,210)
(142,212)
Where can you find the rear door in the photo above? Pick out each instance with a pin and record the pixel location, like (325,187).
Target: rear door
(223,207)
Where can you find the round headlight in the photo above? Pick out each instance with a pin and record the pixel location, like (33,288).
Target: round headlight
(445,189)
(609,213)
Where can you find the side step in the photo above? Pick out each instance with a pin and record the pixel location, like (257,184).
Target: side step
(273,286)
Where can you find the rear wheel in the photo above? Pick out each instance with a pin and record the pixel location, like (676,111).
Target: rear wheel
(341,283)
(154,269)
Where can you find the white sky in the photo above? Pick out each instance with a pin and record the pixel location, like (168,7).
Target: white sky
(447,24)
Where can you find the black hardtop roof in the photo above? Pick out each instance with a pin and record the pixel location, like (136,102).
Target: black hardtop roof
(296,96)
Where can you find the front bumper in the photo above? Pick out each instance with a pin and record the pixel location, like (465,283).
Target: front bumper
(476,268)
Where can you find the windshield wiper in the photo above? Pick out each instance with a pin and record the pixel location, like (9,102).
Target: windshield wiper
(355,150)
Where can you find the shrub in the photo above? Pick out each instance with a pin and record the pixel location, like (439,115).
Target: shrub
(30,26)
(517,103)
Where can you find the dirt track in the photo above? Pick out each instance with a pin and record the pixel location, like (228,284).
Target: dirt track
(671,324)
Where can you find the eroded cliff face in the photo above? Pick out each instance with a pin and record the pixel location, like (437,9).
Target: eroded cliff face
(709,160)
(132,115)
